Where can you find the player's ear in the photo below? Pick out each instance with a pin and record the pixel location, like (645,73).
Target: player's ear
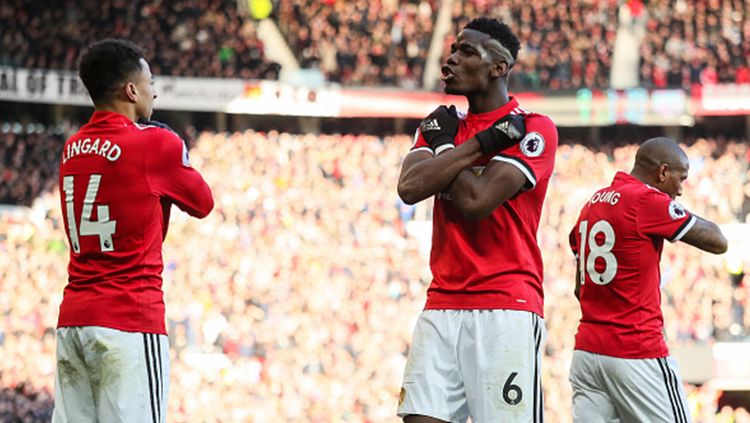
(131,91)
(499,69)
(663,172)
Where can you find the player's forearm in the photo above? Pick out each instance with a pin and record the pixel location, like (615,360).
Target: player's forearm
(467,192)
(197,199)
(425,178)
(707,236)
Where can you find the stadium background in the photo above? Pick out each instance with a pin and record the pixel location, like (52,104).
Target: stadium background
(295,299)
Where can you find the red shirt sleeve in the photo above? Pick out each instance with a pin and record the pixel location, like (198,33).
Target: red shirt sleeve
(534,155)
(170,175)
(419,143)
(660,216)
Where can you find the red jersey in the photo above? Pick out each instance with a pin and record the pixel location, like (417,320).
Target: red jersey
(495,262)
(118,181)
(618,241)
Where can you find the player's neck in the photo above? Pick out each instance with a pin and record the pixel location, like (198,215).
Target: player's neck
(124,109)
(487,102)
(639,174)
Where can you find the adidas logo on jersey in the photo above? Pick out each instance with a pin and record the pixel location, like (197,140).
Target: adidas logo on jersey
(431,125)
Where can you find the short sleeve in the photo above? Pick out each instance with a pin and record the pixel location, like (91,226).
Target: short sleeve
(419,143)
(661,216)
(534,155)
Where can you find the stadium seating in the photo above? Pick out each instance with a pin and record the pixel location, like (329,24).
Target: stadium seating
(361,42)
(701,42)
(564,45)
(186,37)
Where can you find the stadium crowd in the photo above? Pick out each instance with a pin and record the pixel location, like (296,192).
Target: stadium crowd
(200,38)
(564,45)
(295,299)
(701,42)
(361,42)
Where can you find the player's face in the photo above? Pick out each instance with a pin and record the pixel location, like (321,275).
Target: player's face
(144,84)
(674,177)
(467,69)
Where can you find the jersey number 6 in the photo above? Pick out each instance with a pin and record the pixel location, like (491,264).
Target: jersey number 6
(103,227)
(603,250)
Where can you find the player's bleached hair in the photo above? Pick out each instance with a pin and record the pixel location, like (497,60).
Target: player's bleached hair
(503,44)
(107,64)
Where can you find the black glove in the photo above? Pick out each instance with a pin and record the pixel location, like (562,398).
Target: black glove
(439,128)
(144,121)
(505,132)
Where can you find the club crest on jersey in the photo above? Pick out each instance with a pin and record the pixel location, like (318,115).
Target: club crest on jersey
(676,211)
(532,145)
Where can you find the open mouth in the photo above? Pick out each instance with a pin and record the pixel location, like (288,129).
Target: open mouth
(446,74)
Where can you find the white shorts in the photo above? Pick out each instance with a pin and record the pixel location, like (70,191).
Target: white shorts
(611,389)
(480,363)
(107,375)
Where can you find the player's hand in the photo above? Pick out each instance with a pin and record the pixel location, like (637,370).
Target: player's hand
(505,132)
(144,121)
(439,128)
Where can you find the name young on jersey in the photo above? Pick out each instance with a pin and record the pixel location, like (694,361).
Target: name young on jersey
(610,197)
(106,149)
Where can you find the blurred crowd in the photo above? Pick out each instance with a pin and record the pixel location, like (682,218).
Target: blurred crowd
(28,161)
(200,38)
(564,45)
(375,42)
(295,299)
(696,42)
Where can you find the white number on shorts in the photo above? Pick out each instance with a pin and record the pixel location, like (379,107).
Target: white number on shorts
(510,387)
(588,264)
(103,227)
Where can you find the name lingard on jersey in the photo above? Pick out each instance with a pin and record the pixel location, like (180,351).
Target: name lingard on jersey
(106,149)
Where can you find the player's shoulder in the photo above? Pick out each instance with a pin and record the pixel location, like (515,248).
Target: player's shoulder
(158,134)
(534,117)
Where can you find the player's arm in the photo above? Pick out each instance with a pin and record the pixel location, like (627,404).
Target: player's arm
(509,172)
(477,196)
(170,175)
(706,235)
(423,174)
(574,247)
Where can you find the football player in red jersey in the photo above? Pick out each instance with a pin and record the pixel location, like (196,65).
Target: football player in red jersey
(476,347)
(118,181)
(621,370)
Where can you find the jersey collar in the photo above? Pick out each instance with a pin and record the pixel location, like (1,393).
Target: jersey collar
(101,116)
(492,115)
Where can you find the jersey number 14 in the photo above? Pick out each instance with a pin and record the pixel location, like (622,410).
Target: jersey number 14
(102,227)
(603,251)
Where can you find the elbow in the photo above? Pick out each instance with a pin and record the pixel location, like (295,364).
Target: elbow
(720,246)
(205,207)
(407,194)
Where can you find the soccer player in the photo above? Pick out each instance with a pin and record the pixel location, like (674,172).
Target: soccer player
(476,348)
(118,181)
(621,370)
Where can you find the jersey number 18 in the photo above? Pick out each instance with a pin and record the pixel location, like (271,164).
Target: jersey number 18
(603,251)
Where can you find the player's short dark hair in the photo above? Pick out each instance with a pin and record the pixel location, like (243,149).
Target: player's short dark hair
(105,65)
(498,31)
